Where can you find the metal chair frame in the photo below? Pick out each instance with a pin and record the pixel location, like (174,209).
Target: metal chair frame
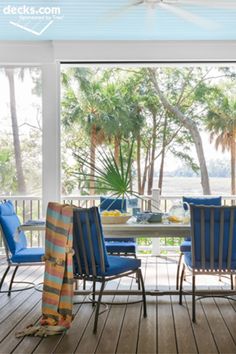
(178,270)
(87,267)
(211,270)
(10,264)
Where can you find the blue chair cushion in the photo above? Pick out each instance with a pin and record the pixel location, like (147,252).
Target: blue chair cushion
(188,261)
(88,225)
(120,246)
(118,239)
(200,201)
(119,265)
(28,255)
(207,228)
(10,222)
(113,204)
(185,246)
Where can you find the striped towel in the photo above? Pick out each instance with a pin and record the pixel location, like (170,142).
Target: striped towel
(58,277)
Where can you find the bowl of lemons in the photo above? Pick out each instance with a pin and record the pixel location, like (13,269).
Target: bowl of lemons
(175,219)
(114,217)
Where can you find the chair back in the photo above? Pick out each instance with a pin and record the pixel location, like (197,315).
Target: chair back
(113,204)
(213,232)
(14,239)
(90,256)
(200,201)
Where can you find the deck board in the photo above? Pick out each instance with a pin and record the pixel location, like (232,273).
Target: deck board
(122,329)
(220,331)
(133,316)
(147,339)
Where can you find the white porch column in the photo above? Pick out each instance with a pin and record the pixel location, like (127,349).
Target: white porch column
(51,134)
(155,206)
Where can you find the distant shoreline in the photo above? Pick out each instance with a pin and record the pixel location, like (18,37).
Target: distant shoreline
(187,185)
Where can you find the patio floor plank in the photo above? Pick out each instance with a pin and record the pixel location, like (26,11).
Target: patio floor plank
(220,332)
(90,342)
(122,329)
(201,329)
(130,328)
(167,342)
(147,340)
(113,326)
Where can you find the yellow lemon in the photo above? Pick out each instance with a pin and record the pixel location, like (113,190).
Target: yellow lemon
(105,213)
(116,213)
(173,218)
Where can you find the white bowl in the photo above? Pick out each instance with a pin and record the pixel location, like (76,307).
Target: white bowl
(115,219)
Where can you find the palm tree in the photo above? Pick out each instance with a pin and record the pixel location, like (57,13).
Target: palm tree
(10,74)
(82,104)
(221,122)
(104,109)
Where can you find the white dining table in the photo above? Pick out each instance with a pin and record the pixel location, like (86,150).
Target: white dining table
(154,230)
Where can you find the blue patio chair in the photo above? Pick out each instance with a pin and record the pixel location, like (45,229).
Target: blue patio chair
(17,252)
(186,244)
(91,261)
(213,251)
(121,246)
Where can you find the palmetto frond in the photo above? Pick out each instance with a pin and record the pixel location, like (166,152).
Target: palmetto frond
(111,176)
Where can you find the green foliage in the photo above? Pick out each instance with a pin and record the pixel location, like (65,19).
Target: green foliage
(144,241)
(110,176)
(119,104)
(220,120)
(8,180)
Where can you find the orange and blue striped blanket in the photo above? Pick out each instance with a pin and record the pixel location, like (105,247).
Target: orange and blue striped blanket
(58,277)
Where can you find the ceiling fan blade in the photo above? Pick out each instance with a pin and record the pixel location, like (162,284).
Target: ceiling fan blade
(207,3)
(189,16)
(150,18)
(120,11)
(136,3)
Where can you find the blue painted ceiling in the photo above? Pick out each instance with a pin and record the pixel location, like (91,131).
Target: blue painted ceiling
(118,20)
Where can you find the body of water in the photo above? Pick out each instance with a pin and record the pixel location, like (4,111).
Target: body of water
(192,185)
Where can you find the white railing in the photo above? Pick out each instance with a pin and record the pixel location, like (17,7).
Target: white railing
(26,207)
(30,207)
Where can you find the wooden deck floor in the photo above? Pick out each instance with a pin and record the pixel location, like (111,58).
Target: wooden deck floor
(122,329)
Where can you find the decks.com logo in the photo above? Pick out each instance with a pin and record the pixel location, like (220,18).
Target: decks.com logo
(33,19)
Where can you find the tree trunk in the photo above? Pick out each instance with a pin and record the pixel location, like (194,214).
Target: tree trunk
(161,172)
(15,131)
(145,171)
(152,156)
(191,126)
(139,163)
(92,159)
